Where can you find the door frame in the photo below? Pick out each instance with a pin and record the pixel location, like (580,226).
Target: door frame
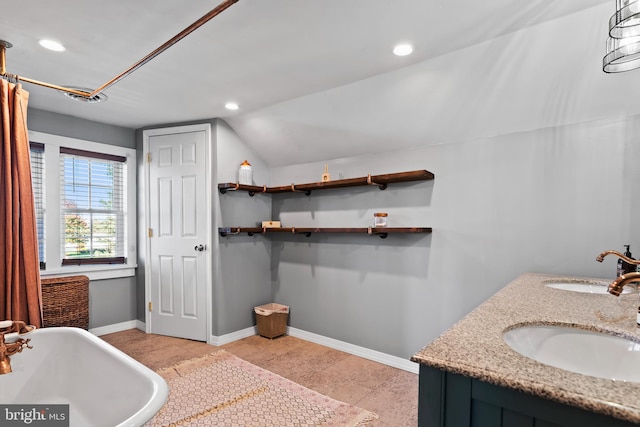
(208,254)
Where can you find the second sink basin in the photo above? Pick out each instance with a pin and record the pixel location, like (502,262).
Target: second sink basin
(584,287)
(577,350)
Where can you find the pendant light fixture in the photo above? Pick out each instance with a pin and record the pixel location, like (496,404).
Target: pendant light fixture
(623,44)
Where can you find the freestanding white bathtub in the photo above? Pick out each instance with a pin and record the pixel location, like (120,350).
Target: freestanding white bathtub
(102,385)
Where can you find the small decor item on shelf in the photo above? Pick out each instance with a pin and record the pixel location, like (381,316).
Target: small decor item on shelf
(245,174)
(326,177)
(271,224)
(380,219)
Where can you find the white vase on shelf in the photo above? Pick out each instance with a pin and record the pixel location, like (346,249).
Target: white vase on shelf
(245,174)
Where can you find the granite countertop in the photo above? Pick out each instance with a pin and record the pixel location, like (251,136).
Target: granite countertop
(474,346)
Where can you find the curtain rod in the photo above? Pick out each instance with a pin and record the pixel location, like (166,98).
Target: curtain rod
(4,45)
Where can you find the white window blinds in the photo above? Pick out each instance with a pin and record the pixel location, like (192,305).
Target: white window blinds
(93,199)
(37,179)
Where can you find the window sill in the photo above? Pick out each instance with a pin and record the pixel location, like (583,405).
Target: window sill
(93,272)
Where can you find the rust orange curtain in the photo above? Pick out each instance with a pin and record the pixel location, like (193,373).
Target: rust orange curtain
(20,289)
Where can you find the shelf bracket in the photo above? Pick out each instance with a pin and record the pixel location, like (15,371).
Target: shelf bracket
(295,190)
(224,232)
(380,186)
(234,188)
(381,235)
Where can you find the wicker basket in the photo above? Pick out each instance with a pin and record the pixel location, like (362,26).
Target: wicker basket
(65,301)
(271,320)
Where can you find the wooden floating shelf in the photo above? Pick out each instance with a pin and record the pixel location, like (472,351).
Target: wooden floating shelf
(382,232)
(380,180)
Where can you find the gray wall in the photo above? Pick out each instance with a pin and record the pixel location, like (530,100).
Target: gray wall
(73,127)
(110,301)
(546,201)
(242,265)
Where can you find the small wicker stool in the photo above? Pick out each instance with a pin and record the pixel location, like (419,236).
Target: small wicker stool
(65,301)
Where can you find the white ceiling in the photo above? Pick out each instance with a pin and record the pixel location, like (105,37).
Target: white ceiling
(315,79)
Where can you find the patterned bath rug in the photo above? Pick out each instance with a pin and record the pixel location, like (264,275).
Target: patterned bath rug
(221,389)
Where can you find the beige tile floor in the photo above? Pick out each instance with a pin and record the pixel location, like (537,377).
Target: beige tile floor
(389,392)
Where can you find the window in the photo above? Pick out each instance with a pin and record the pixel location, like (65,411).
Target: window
(85,206)
(92,205)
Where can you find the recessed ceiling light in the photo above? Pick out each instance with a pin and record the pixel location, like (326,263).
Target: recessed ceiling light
(403,49)
(231,106)
(52,45)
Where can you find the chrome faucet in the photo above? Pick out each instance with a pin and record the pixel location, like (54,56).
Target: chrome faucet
(12,329)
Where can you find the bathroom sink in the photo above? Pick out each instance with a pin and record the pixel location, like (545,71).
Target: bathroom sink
(577,350)
(584,287)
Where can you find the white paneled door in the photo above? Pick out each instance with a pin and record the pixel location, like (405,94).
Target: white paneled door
(178,253)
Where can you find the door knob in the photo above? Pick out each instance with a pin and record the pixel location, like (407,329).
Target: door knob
(200,248)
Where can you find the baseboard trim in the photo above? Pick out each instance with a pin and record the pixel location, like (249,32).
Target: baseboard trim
(376,356)
(117,327)
(233,336)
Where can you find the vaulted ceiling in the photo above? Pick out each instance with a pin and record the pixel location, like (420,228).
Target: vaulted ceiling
(316,79)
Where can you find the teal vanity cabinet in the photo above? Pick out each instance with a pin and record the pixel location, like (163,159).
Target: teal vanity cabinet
(452,400)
